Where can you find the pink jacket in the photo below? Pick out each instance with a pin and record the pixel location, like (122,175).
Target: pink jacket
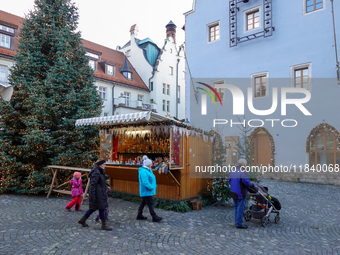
(77,189)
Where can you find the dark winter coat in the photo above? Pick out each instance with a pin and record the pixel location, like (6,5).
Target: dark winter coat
(239,183)
(97,193)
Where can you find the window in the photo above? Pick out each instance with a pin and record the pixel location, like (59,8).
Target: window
(106,114)
(168,89)
(183,75)
(214,32)
(164,105)
(92,55)
(7,37)
(3,73)
(253,19)
(110,70)
(92,64)
(301,76)
(127,75)
(140,98)
(128,53)
(151,86)
(168,106)
(260,86)
(102,92)
(179,95)
(127,96)
(171,70)
(313,5)
(5,41)
(163,88)
(323,150)
(170,50)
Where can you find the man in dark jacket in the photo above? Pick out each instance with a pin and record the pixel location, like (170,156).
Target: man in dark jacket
(97,194)
(239,183)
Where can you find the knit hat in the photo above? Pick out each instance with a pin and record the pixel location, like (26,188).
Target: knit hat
(77,175)
(146,161)
(103,161)
(242,162)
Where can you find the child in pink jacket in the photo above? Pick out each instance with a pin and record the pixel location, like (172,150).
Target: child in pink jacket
(77,191)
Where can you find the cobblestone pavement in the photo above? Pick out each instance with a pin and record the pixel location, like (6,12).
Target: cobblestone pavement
(310,224)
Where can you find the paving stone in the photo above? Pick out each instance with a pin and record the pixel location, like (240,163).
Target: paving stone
(310,224)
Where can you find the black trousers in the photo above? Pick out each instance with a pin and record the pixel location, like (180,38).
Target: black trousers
(149,202)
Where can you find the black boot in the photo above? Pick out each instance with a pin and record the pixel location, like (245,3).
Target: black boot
(156,219)
(82,221)
(141,217)
(105,227)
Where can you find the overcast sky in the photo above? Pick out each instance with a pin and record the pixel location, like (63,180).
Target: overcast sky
(108,22)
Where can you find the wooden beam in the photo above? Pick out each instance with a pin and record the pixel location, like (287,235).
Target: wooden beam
(54,175)
(174,178)
(70,168)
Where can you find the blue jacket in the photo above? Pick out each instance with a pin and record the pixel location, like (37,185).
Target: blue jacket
(147,182)
(239,183)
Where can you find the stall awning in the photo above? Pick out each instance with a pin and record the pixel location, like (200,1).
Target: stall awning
(122,119)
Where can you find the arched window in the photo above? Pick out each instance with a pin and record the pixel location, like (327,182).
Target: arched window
(324,146)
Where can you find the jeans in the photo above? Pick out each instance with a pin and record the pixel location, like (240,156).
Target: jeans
(149,202)
(239,206)
(101,213)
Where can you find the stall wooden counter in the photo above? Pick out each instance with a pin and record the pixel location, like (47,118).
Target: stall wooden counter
(124,139)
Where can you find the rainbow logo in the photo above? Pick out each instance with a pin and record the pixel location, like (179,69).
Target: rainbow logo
(213,90)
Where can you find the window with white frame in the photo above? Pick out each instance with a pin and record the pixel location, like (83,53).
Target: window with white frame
(260,84)
(252,19)
(106,114)
(163,108)
(313,5)
(102,92)
(110,70)
(7,37)
(92,64)
(168,106)
(140,98)
(127,75)
(214,32)
(183,75)
(127,96)
(168,89)
(92,55)
(164,88)
(3,73)
(220,91)
(301,76)
(171,70)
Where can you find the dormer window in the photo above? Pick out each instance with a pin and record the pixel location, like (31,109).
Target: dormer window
(127,75)
(110,70)
(126,70)
(93,58)
(7,34)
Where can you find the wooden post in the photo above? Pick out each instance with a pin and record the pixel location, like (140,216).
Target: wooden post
(86,189)
(54,175)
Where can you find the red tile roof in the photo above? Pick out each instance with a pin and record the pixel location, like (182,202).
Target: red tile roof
(117,58)
(108,54)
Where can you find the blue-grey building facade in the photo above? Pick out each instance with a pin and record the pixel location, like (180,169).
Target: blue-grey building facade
(261,45)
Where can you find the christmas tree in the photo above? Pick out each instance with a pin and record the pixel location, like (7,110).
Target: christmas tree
(53,87)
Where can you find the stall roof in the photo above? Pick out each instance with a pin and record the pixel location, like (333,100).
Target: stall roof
(122,119)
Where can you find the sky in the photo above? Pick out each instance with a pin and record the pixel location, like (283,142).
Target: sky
(108,22)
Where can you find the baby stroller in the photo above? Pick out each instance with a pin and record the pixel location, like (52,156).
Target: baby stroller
(263,205)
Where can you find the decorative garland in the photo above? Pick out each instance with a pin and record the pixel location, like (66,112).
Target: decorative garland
(272,144)
(167,123)
(319,128)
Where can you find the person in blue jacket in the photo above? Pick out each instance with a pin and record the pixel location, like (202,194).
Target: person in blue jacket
(147,189)
(239,184)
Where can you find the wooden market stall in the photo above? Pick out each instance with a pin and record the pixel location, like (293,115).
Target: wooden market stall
(125,138)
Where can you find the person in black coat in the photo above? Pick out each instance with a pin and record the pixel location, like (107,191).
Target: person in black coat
(97,194)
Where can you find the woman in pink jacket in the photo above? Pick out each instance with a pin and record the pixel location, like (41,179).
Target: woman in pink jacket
(77,191)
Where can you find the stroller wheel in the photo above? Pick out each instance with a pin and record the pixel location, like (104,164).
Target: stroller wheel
(247,216)
(277,218)
(265,221)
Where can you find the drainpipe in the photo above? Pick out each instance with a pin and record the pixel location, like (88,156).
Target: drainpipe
(113,99)
(153,74)
(177,88)
(335,45)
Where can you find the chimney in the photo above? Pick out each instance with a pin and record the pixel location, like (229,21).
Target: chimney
(171,30)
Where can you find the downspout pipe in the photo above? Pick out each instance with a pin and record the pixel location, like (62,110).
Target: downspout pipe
(177,88)
(335,45)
